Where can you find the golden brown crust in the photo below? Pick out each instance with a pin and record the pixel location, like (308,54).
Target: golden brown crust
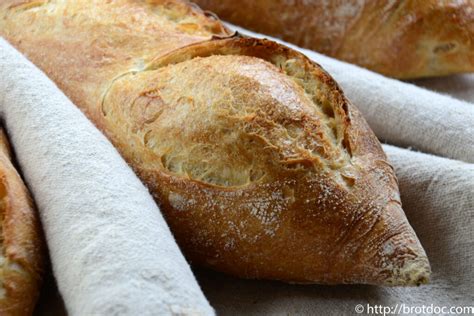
(22,257)
(402,38)
(261,166)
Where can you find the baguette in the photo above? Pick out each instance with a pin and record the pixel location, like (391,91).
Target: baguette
(261,166)
(22,257)
(403,39)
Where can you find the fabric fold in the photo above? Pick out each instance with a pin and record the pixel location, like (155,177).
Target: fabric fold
(400,113)
(460,86)
(111,250)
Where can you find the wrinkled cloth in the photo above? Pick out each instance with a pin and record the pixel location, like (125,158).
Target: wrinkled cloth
(111,250)
(458,86)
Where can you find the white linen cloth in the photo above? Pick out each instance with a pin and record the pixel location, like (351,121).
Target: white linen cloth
(111,250)
(458,86)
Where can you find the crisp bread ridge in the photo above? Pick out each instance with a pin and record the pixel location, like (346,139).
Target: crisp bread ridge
(313,201)
(297,152)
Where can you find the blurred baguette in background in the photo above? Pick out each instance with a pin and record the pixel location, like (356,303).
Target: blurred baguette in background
(401,39)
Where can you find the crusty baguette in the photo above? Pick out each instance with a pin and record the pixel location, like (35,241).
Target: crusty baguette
(22,257)
(402,38)
(261,166)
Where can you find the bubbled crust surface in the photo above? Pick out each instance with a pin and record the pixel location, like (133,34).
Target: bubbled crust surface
(22,257)
(402,38)
(94,41)
(261,166)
